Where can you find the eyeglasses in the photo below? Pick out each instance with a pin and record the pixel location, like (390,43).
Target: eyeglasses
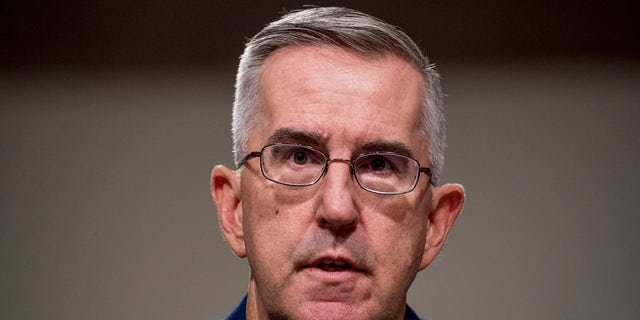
(299,166)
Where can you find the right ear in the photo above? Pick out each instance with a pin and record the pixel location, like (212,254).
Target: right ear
(225,191)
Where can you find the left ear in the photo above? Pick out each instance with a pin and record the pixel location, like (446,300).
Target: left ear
(446,205)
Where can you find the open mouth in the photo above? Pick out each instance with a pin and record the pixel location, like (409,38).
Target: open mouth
(333,265)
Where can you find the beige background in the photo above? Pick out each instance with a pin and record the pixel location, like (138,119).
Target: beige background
(105,210)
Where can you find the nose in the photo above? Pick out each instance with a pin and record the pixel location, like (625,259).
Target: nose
(338,211)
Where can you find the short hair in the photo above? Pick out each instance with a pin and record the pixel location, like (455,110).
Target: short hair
(345,28)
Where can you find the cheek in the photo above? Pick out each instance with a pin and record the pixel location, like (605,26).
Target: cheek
(398,229)
(396,213)
(256,211)
(264,238)
(274,218)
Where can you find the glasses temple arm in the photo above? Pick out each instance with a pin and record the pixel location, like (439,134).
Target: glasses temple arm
(248,157)
(429,174)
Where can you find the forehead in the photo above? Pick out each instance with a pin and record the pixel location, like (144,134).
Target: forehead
(338,95)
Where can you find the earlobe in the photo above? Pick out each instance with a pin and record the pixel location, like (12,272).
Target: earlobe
(446,206)
(225,191)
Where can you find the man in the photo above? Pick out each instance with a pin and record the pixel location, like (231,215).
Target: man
(338,139)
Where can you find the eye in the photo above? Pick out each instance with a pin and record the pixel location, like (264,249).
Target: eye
(375,164)
(378,163)
(300,157)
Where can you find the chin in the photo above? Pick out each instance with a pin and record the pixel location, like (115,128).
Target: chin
(331,310)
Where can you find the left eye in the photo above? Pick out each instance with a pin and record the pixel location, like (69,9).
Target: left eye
(374,163)
(378,163)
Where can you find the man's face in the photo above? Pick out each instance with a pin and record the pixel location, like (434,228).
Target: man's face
(334,250)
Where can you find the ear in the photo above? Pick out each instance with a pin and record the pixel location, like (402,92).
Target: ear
(225,191)
(445,207)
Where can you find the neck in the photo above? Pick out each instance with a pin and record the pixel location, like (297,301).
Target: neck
(255,307)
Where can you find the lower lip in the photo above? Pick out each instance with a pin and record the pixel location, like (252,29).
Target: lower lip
(333,276)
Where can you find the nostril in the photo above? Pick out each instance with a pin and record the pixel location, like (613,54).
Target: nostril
(338,228)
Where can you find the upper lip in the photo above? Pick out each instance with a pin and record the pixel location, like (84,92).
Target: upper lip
(335,259)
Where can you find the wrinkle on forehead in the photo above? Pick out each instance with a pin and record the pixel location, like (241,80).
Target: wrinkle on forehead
(356,74)
(340,100)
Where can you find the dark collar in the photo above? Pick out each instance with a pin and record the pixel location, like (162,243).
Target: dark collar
(240,312)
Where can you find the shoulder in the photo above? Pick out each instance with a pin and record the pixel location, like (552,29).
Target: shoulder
(239,313)
(409,314)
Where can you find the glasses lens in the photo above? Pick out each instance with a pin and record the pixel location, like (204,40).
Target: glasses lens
(386,173)
(292,164)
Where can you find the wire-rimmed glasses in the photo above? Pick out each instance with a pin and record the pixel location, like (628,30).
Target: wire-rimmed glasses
(299,166)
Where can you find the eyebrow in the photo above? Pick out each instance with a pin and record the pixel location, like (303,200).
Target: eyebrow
(290,135)
(317,140)
(396,147)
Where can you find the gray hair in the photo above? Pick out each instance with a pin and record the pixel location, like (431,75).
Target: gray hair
(345,28)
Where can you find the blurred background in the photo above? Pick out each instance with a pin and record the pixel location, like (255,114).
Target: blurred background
(113,113)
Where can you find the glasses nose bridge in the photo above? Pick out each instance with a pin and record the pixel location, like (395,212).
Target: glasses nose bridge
(345,161)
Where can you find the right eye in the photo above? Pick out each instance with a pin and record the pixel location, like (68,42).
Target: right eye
(300,157)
